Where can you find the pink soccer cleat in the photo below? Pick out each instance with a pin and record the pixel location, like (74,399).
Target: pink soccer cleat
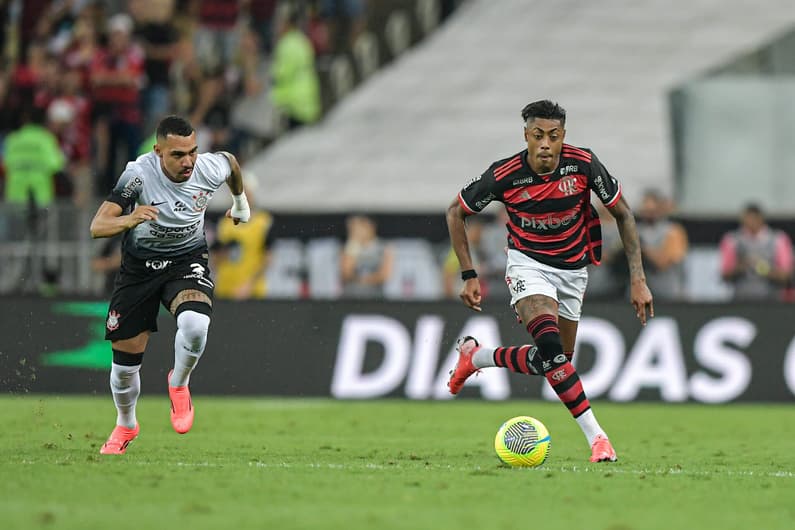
(602,450)
(464,367)
(181,407)
(119,439)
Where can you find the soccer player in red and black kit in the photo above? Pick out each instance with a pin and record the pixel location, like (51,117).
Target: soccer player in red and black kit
(553,233)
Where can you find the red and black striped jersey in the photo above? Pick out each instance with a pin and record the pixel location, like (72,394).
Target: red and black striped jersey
(550,216)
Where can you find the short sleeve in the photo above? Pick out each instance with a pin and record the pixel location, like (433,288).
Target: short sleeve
(128,188)
(478,192)
(218,166)
(605,185)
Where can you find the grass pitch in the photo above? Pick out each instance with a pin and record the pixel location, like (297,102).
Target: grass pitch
(285,464)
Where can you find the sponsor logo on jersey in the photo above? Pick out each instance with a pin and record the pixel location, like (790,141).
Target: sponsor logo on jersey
(565,170)
(173,232)
(522,181)
(180,206)
(549,222)
(157,264)
(113,321)
(482,203)
(568,186)
(601,188)
(129,188)
(153,203)
(471,182)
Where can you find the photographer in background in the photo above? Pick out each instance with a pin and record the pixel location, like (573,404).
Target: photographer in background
(756,259)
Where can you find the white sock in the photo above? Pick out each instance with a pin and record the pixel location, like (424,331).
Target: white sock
(483,358)
(125,384)
(590,427)
(189,345)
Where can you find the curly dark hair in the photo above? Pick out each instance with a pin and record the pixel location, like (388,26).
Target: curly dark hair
(545,109)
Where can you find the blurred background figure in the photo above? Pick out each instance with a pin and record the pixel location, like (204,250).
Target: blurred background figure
(296,89)
(487,242)
(117,77)
(366,262)
(241,253)
(664,244)
(605,281)
(756,259)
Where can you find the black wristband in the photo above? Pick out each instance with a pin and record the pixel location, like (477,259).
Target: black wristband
(468,274)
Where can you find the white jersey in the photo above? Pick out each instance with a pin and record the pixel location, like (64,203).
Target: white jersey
(179,227)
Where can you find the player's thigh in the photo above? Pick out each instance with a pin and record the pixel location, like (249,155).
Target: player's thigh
(570,286)
(189,283)
(532,289)
(133,306)
(135,344)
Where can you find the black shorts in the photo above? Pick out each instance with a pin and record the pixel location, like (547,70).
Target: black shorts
(143,284)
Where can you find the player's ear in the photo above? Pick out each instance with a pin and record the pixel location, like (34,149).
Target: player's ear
(525,134)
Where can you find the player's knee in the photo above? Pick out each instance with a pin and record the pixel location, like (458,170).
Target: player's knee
(193,326)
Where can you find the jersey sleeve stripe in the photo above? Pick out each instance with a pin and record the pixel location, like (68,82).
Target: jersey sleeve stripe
(615,199)
(464,205)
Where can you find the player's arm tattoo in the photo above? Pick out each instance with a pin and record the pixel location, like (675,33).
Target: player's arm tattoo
(235,180)
(628,230)
(458,235)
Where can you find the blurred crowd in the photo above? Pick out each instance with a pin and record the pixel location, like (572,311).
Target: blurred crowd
(93,78)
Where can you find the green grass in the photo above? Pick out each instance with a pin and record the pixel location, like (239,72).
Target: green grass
(284,464)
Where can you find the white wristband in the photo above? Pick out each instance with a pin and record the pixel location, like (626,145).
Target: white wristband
(240,208)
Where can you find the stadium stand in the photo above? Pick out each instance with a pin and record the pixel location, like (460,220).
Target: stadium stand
(448,107)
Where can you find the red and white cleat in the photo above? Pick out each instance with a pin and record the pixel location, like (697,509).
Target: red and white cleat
(181,407)
(464,367)
(119,439)
(602,450)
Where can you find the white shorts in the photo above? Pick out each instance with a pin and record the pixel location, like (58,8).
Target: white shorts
(526,276)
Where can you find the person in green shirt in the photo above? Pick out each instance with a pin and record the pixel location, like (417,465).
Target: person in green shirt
(32,157)
(296,90)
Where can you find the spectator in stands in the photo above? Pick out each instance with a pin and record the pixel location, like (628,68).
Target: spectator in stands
(346,21)
(664,246)
(296,89)
(606,280)
(117,76)
(32,157)
(487,241)
(756,259)
(366,262)
(242,253)
(69,118)
(158,35)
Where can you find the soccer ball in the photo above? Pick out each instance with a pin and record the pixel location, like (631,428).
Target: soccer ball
(522,441)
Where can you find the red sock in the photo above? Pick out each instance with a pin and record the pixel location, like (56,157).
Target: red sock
(514,358)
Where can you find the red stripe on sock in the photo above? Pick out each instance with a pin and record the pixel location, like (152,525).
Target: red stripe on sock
(569,355)
(508,363)
(579,409)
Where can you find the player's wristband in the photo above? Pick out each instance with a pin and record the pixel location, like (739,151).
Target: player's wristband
(468,274)
(240,208)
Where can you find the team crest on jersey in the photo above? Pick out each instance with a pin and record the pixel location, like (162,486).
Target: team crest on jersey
(568,185)
(200,200)
(113,321)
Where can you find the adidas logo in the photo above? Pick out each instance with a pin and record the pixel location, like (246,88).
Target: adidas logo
(179,206)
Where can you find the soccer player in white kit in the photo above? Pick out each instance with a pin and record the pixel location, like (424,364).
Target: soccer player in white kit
(159,203)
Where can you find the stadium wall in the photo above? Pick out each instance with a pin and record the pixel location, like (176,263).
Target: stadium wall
(361,350)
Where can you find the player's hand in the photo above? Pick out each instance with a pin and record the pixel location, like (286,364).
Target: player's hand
(470,294)
(641,298)
(143,213)
(240,211)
